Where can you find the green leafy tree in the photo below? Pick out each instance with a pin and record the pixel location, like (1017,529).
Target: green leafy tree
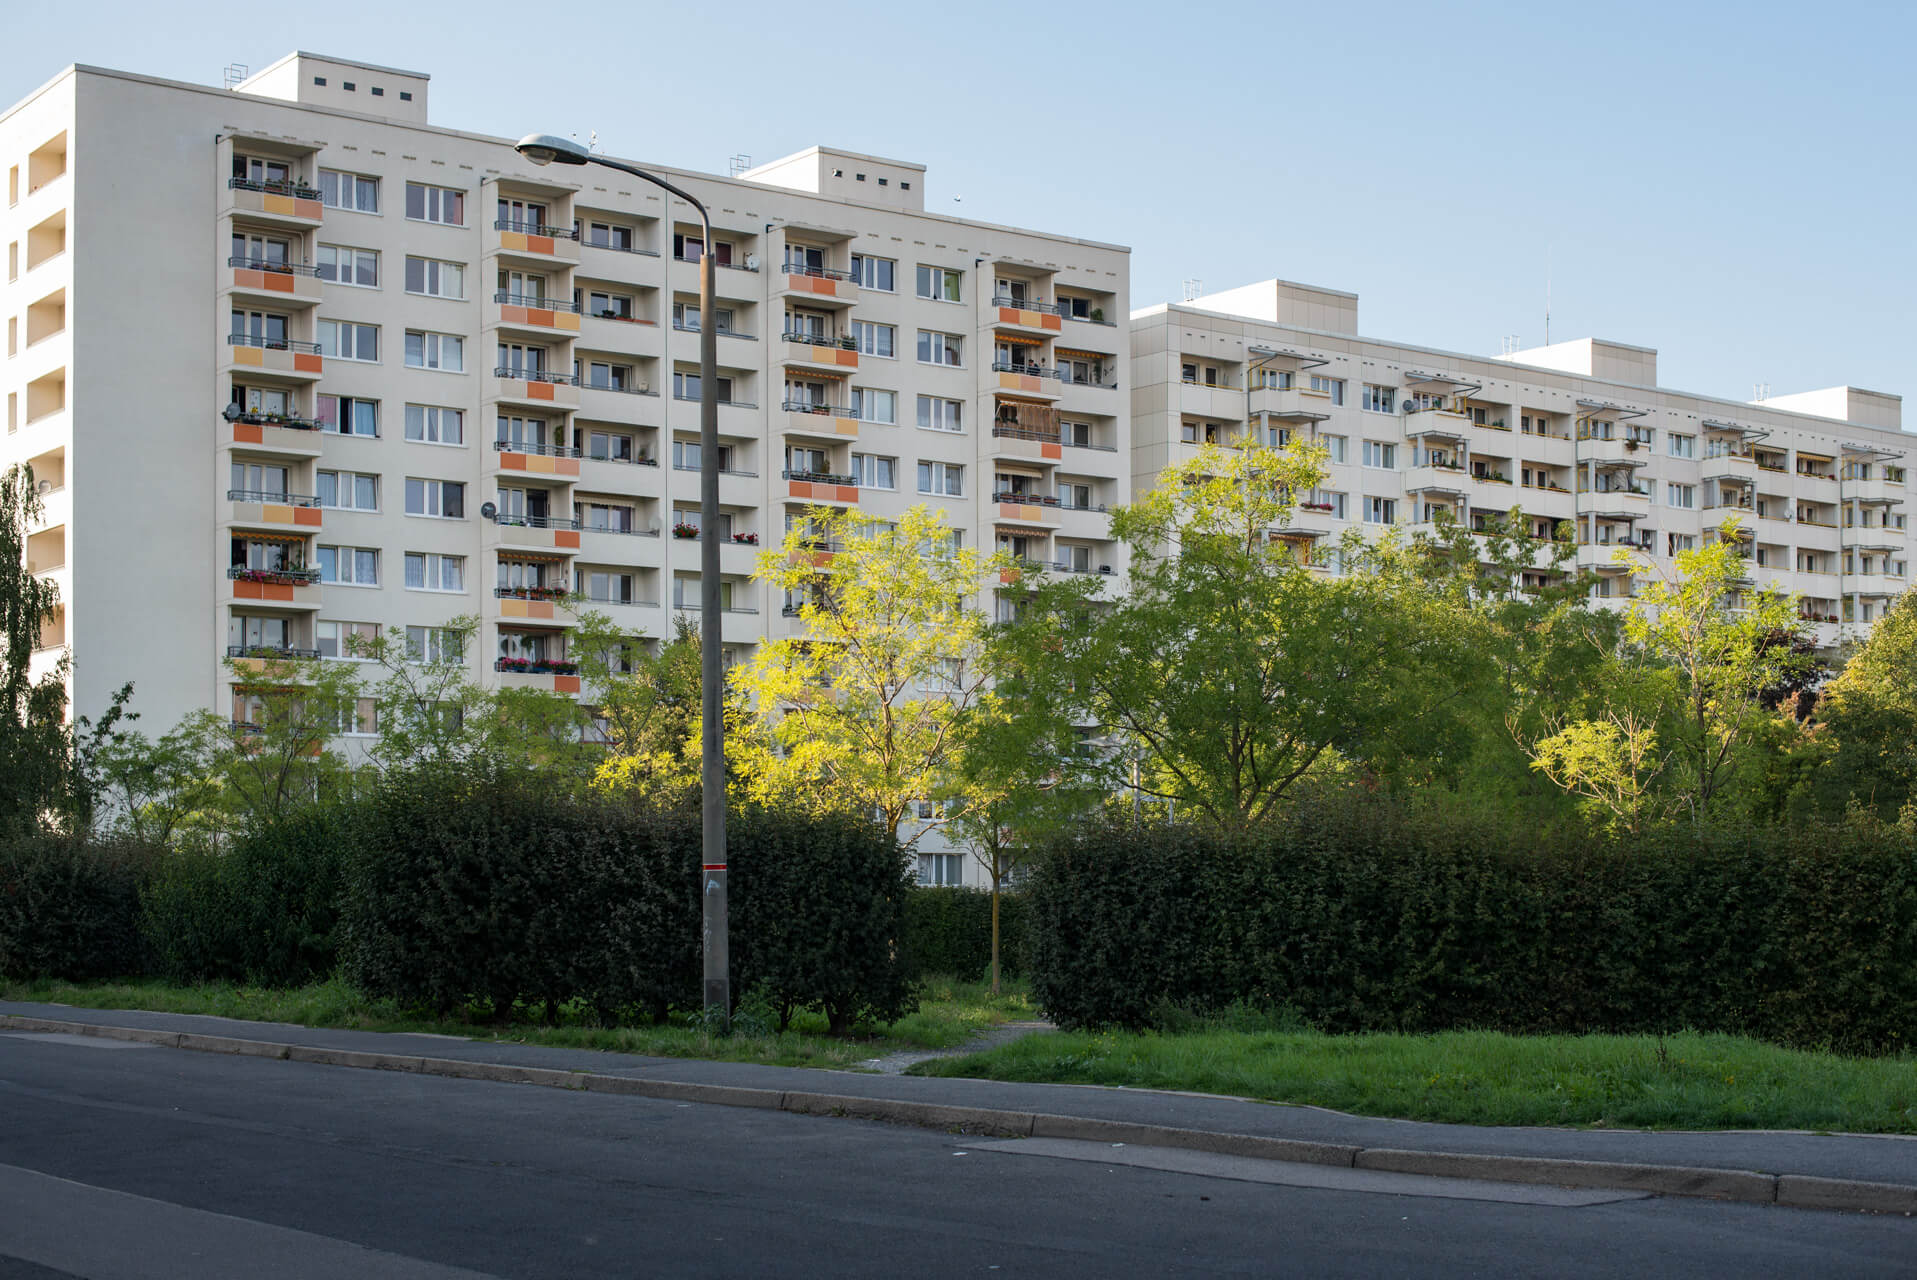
(280,757)
(151,790)
(1613,763)
(1869,714)
(863,710)
(38,782)
(648,708)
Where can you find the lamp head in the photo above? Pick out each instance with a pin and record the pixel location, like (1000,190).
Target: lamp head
(546,148)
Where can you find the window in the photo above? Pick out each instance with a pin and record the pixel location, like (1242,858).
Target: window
(1334,448)
(1379,399)
(1379,453)
(1381,510)
(427,572)
(348,490)
(359,717)
(941,415)
(345,639)
(435,204)
(941,868)
(609,446)
(873,273)
(875,339)
(442,351)
(1680,495)
(347,415)
(873,472)
(1682,446)
(445,499)
(872,405)
(349,566)
(339,264)
(685,386)
(261,479)
(939,284)
(518,361)
(352,191)
(435,644)
(434,278)
(606,235)
(1333,387)
(685,315)
(346,340)
(433,424)
(946,478)
(939,348)
(618,306)
(606,517)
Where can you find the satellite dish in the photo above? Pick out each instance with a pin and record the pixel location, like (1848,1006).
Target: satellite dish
(752,262)
(1407,406)
(232,412)
(487,510)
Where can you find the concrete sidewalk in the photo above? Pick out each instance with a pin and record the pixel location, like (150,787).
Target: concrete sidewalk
(1841,1171)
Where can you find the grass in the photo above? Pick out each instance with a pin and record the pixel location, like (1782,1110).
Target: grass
(1685,1081)
(950,1013)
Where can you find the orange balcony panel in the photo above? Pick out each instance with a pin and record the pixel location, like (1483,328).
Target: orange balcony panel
(1020,382)
(540,317)
(1021,512)
(822,286)
(270,592)
(1029,319)
(565,684)
(525,609)
(566,538)
(811,559)
(265,281)
(1056,452)
(525,242)
(538,464)
(812,491)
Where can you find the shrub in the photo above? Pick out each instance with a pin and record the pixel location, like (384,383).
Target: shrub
(949,930)
(1363,915)
(70,909)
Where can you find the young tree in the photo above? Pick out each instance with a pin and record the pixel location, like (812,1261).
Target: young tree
(1870,718)
(1612,762)
(150,789)
(648,708)
(279,758)
(430,709)
(863,710)
(38,783)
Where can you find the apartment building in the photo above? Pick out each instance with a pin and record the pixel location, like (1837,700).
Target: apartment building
(293,364)
(1576,433)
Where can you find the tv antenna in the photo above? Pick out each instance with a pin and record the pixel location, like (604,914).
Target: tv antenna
(739,164)
(1760,391)
(1512,345)
(234,74)
(1193,288)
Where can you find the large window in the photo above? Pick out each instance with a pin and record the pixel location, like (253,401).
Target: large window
(348,340)
(349,566)
(347,415)
(348,490)
(1680,495)
(435,644)
(345,639)
(872,405)
(354,191)
(875,339)
(435,424)
(428,572)
(1334,448)
(873,273)
(1379,453)
(1333,387)
(1378,399)
(936,414)
(947,478)
(340,264)
(874,472)
(1381,510)
(939,283)
(1681,446)
(607,235)
(435,279)
(435,204)
(940,348)
(443,351)
(444,499)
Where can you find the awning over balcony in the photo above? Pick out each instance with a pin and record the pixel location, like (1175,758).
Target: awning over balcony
(1719,427)
(1018,340)
(1286,356)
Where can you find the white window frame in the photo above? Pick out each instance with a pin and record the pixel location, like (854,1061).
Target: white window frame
(433,276)
(432,494)
(862,330)
(351,557)
(346,483)
(932,410)
(433,202)
(431,421)
(941,479)
(939,284)
(434,348)
(338,328)
(361,183)
(432,569)
(338,266)
(941,344)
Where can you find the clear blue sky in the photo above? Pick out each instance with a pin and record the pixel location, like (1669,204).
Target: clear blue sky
(1730,183)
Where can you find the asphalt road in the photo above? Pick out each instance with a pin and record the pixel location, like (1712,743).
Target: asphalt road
(121,1160)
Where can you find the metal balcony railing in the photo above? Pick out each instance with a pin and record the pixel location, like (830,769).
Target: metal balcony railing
(538,301)
(535,375)
(269,651)
(1106,384)
(277,577)
(1046,308)
(271,495)
(531,593)
(273,344)
(1005,432)
(536,666)
(819,477)
(808,406)
(619,248)
(273,265)
(806,337)
(1027,499)
(1029,370)
(821,273)
(535,522)
(298,190)
(289,421)
(536,229)
(543,450)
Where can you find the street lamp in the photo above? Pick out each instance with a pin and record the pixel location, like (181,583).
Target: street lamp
(543,149)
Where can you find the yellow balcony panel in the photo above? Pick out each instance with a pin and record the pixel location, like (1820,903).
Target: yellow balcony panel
(818,286)
(533,241)
(283,359)
(286,204)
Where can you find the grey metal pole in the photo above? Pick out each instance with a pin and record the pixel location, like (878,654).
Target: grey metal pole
(712,765)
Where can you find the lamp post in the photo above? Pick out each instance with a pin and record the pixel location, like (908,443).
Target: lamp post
(542,149)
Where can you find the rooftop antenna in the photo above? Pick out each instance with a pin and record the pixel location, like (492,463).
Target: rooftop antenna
(234,74)
(1193,288)
(592,140)
(739,164)
(1760,391)
(1547,295)
(1512,344)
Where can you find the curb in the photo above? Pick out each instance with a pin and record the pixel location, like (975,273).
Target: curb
(1741,1185)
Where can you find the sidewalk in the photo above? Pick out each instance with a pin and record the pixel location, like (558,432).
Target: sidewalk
(1811,1170)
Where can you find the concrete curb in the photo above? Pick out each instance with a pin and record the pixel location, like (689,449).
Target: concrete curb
(1747,1186)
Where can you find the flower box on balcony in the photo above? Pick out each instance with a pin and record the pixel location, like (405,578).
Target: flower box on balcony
(685,530)
(746,539)
(536,667)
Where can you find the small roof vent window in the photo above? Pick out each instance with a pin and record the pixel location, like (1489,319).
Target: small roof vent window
(347,85)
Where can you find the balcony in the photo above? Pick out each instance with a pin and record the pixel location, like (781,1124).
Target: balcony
(1211,400)
(534,387)
(1089,523)
(801,350)
(1025,379)
(273,433)
(1880,585)
(1028,444)
(534,604)
(1875,493)
(277,357)
(1295,404)
(542,316)
(279,512)
(277,282)
(1729,465)
(287,204)
(1873,538)
(551,675)
(1436,477)
(1038,318)
(821,487)
(553,460)
(600,544)
(273,588)
(1612,453)
(818,286)
(1035,510)
(531,533)
(611,331)
(613,401)
(638,475)
(534,242)
(819,421)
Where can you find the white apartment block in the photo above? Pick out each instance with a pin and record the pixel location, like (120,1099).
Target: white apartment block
(1576,432)
(292,363)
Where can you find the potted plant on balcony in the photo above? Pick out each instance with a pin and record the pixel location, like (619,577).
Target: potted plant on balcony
(680,529)
(747,539)
(1098,315)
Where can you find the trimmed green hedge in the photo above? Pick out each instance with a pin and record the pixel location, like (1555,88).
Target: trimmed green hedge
(71,909)
(1365,916)
(949,931)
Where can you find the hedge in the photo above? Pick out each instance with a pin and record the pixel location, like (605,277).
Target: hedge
(1362,915)
(949,931)
(71,909)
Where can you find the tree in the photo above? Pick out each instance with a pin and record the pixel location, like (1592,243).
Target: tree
(648,708)
(1869,714)
(1612,762)
(279,757)
(148,789)
(863,709)
(38,783)
(1232,667)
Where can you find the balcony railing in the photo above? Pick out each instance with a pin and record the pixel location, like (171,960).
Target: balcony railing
(807,338)
(536,229)
(298,190)
(288,421)
(630,390)
(537,666)
(270,495)
(1047,308)
(274,265)
(1223,384)
(1029,499)
(619,248)
(273,344)
(729,404)
(543,450)
(819,477)
(1099,506)
(285,652)
(538,301)
(641,461)
(1107,384)
(1028,370)
(275,577)
(535,375)
(630,533)
(724,471)
(822,273)
(682,327)
(531,593)
(536,522)
(1087,444)
(736,266)
(808,406)
(1026,433)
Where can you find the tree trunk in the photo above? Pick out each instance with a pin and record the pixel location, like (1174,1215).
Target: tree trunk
(997,877)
